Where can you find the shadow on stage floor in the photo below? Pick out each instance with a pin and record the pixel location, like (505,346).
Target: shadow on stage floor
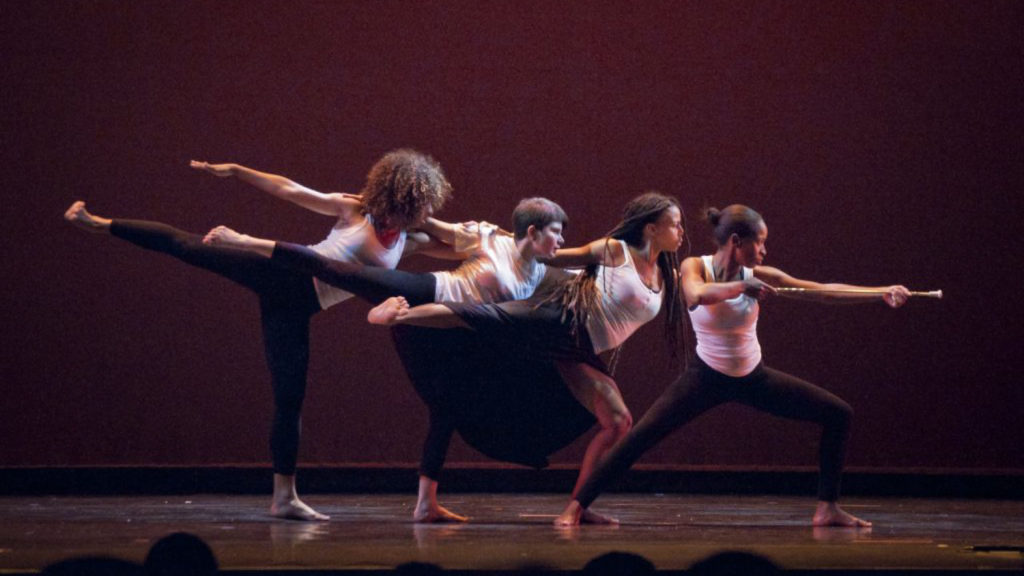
(373,533)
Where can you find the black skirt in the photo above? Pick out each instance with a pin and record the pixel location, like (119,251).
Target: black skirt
(497,382)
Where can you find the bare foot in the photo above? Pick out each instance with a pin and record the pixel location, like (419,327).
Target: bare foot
(830,514)
(571,516)
(389,311)
(295,509)
(590,517)
(224,236)
(79,216)
(436,514)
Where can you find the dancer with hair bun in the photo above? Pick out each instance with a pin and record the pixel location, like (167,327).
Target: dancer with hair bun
(722,293)
(402,189)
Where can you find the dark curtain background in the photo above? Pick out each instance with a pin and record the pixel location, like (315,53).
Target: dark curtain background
(880,140)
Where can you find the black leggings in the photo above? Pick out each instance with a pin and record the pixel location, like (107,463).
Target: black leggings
(287,302)
(376,285)
(701,388)
(371,283)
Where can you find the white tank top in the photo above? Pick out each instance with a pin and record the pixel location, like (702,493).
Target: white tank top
(625,304)
(727,331)
(354,243)
(494,272)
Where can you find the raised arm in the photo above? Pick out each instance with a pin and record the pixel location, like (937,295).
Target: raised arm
(700,293)
(332,204)
(895,295)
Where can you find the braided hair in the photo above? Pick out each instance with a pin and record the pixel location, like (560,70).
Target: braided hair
(579,297)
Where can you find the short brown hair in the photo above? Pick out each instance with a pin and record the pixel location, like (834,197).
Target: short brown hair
(537,212)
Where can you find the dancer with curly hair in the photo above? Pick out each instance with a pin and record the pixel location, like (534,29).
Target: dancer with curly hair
(722,293)
(402,189)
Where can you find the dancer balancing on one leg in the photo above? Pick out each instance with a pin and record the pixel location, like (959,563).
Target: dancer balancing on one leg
(722,293)
(628,276)
(498,267)
(402,189)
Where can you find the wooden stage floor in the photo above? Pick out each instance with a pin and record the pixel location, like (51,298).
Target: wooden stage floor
(374,532)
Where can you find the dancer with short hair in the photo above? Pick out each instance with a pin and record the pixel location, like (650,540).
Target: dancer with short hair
(498,267)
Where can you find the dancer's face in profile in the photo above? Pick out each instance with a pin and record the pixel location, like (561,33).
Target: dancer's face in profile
(751,251)
(667,232)
(547,240)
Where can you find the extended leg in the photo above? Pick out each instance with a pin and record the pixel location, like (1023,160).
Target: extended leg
(396,311)
(790,397)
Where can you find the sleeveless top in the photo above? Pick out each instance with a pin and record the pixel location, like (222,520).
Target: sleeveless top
(354,243)
(494,272)
(727,331)
(625,304)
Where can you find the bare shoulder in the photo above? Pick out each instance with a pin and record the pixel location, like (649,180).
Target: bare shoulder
(692,266)
(609,251)
(349,207)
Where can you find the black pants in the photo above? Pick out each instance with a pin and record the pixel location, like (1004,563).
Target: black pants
(371,283)
(287,302)
(701,388)
(376,285)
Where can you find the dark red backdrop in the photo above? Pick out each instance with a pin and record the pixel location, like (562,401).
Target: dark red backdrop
(880,140)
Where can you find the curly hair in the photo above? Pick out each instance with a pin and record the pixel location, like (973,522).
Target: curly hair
(579,297)
(401,185)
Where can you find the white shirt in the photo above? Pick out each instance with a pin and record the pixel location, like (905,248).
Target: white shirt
(495,271)
(727,331)
(354,243)
(625,304)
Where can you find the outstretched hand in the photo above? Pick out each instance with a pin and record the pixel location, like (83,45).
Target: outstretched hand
(755,288)
(896,296)
(221,170)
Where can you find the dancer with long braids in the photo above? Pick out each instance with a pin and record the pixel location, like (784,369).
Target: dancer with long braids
(722,293)
(628,276)
(402,189)
(498,267)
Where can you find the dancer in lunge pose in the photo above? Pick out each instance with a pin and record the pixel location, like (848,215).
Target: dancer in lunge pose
(499,267)
(722,292)
(402,189)
(629,274)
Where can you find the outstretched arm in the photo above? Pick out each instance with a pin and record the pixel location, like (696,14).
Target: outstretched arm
(333,204)
(599,251)
(419,242)
(835,293)
(700,293)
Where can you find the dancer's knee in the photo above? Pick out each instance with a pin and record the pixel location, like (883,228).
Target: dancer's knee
(620,423)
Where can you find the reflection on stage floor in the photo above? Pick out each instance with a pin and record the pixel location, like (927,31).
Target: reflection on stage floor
(374,532)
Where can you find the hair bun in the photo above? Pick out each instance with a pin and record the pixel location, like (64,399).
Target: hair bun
(713,215)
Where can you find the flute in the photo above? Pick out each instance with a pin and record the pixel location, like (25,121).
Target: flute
(794,291)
